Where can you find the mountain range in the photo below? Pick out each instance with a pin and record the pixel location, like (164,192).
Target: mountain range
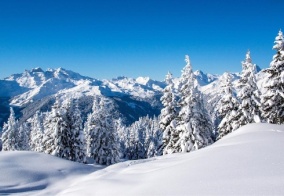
(36,89)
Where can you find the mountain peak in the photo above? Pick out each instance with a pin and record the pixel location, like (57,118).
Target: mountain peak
(37,69)
(199,72)
(143,80)
(203,78)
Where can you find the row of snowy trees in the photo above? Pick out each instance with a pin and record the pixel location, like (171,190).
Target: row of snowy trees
(183,125)
(250,105)
(58,132)
(103,138)
(142,139)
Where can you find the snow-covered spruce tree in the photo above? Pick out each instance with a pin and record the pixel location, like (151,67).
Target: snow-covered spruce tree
(102,142)
(36,133)
(77,138)
(168,114)
(272,100)
(248,95)
(154,139)
(57,133)
(143,139)
(227,108)
(193,123)
(10,133)
(122,133)
(23,138)
(131,142)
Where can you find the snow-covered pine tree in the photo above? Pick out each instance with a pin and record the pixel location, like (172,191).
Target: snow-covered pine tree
(23,138)
(89,127)
(168,114)
(77,137)
(102,142)
(227,108)
(122,133)
(150,145)
(131,142)
(154,138)
(36,133)
(144,139)
(272,100)
(142,127)
(10,133)
(194,126)
(248,95)
(57,132)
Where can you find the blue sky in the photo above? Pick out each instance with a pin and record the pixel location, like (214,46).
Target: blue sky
(110,38)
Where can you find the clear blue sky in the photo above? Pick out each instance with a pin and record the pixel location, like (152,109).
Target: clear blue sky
(110,38)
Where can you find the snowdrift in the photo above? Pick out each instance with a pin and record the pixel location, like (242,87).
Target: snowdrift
(249,161)
(31,173)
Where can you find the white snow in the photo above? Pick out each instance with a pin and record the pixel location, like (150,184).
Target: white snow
(36,84)
(31,173)
(248,161)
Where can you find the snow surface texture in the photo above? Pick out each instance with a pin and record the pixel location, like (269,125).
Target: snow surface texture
(31,173)
(248,161)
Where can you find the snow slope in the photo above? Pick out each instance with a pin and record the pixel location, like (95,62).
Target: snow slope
(248,161)
(31,173)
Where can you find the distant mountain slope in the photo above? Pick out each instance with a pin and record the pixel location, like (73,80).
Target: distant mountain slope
(36,90)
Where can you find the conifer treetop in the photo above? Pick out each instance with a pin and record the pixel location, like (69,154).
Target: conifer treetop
(279,41)
(187,60)
(169,78)
(248,58)
(187,70)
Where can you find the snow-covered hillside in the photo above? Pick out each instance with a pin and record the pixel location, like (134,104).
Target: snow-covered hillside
(245,162)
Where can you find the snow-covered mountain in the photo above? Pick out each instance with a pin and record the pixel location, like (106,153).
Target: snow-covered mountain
(245,162)
(205,79)
(36,89)
(35,84)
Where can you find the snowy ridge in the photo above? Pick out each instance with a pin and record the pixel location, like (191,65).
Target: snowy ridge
(35,84)
(205,79)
